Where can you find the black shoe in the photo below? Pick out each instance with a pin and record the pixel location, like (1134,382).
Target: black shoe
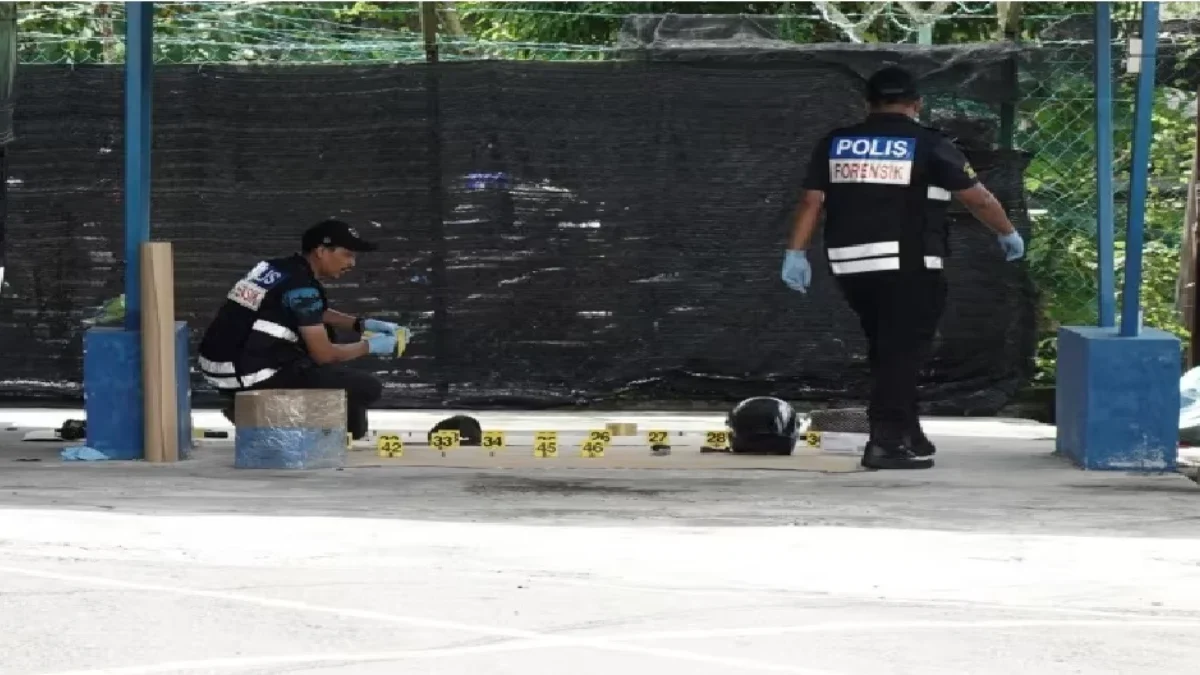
(877,456)
(920,445)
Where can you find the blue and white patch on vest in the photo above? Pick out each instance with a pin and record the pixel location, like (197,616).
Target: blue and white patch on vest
(882,160)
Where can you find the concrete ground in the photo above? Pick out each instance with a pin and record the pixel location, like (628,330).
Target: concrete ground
(1001,559)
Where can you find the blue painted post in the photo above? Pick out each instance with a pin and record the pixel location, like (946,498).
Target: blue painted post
(1131,305)
(112,357)
(1117,391)
(1106,296)
(139,75)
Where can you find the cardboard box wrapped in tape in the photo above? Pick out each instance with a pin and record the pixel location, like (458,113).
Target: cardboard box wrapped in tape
(290,429)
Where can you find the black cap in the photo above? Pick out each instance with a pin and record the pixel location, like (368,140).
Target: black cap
(333,234)
(892,85)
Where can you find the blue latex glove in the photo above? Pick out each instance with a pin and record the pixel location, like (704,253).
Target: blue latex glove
(377,326)
(797,273)
(1013,245)
(382,344)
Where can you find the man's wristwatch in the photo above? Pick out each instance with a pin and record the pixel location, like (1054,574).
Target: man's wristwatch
(358,324)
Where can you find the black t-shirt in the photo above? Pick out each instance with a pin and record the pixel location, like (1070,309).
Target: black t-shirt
(304,299)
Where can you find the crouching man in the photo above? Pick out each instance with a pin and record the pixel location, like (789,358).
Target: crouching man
(273,331)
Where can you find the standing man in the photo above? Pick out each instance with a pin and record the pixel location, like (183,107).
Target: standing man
(274,329)
(885,184)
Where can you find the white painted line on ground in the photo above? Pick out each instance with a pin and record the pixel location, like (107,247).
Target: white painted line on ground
(239,662)
(904,625)
(421,622)
(792,595)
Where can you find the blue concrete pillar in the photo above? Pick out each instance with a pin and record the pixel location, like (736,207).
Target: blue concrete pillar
(1117,404)
(112,357)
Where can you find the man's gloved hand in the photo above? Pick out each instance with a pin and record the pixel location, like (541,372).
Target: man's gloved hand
(377,326)
(381,344)
(1013,245)
(797,273)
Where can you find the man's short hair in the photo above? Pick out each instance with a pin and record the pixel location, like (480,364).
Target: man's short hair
(892,85)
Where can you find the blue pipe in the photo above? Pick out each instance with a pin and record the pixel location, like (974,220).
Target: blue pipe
(1106,295)
(1139,170)
(139,74)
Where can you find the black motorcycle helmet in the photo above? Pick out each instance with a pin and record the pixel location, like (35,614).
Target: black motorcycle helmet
(763,425)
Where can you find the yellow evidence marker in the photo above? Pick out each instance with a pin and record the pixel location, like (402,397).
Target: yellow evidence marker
(718,440)
(594,445)
(812,439)
(545,444)
(493,441)
(389,445)
(446,439)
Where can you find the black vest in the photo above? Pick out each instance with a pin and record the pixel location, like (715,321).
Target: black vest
(253,334)
(881,211)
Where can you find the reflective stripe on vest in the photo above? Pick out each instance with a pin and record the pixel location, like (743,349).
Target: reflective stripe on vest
(275,330)
(248,380)
(211,369)
(880,256)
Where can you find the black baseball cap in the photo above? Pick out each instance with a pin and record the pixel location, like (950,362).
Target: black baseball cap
(334,233)
(892,85)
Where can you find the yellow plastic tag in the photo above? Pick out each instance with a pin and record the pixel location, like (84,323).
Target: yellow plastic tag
(390,445)
(545,444)
(597,441)
(600,436)
(493,441)
(444,440)
(716,439)
(657,437)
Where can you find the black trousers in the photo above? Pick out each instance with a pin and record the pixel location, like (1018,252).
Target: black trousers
(362,389)
(899,313)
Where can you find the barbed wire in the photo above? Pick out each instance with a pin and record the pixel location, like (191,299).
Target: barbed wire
(84,32)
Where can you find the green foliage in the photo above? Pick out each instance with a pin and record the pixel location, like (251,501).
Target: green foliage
(1058,125)
(1073,255)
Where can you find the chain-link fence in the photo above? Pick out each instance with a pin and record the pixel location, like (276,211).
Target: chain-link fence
(1056,124)
(1055,121)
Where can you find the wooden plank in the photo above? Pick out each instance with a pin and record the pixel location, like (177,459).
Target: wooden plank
(158,353)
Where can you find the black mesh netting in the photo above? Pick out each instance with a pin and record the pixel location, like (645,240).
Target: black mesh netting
(555,233)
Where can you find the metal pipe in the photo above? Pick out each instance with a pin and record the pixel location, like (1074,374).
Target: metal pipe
(139,75)
(1139,170)
(1106,295)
